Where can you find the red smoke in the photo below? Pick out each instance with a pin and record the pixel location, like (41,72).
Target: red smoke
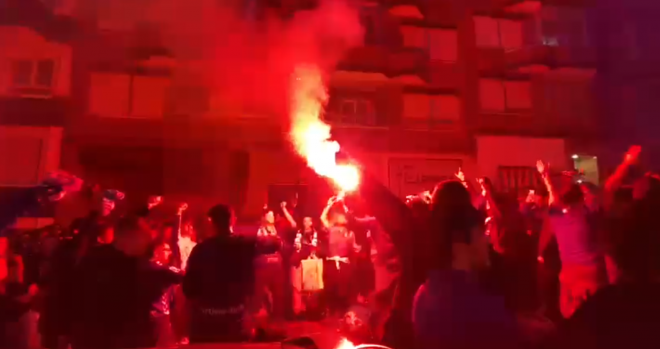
(253,62)
(247,63)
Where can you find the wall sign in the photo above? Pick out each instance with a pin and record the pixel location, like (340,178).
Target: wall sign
(411,176)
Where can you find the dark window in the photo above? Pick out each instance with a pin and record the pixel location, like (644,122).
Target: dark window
(45,73)
(22,73)
(357,111)
(367,20)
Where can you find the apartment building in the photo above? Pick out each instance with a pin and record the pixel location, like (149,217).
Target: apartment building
(489,88)
(433,88)
(34,103)
(536,63)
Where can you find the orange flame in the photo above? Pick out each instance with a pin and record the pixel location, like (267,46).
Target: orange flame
(311,136)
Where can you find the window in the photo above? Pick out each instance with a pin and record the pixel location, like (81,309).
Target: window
(503,96)
(149,96)
(511,34)
(45,72)
(443,45)
(518,94)
(562,26)
(370,37)
(33,77)
(416,106)
(504,33)
(188,100)
(109,95)
(567,98)
(491,95)
(486,32)
(352,111)
(445,109)
(425,110)
(413,36)
(22,73)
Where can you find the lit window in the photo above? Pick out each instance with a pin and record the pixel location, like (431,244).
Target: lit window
(503,96)
(486,31)
(443,45)
(493,33)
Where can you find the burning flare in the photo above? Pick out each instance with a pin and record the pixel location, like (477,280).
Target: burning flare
(310,135)
(346,344)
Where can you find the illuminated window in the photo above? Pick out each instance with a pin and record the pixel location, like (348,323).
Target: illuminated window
(423,110)
(445,109)
(486,31)
(413,36)
(504,33)
(416,107)
(503,96)
(443,45)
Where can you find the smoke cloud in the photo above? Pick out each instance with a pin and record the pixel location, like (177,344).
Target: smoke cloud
(248,63)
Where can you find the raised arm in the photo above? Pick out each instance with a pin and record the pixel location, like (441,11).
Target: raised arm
(53,188)
(487,193)
(614,181)
(324,215)
(287,215)
(460,175)
(544,170)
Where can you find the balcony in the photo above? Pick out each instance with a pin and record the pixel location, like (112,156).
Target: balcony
(36,15)
(548,106)
(534,59)
(373,59)
(35,112)
(530,7)
(17,194)
(402,140)
(532,124)
(517,48)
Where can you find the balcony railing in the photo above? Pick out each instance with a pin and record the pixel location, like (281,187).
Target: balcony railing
(34,111)
(551,56)
(535,58)
(527,7)
(536,122)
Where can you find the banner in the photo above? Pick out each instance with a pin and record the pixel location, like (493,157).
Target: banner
(514,179)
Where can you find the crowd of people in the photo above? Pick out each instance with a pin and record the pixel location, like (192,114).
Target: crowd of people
(567,264)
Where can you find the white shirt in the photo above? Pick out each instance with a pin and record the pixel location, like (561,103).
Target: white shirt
(186,246)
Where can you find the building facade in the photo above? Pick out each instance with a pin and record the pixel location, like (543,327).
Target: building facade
(436,86)
(34,103)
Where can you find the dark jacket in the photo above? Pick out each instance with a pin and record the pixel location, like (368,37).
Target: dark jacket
(626,315)
(113,295)
(218,283)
